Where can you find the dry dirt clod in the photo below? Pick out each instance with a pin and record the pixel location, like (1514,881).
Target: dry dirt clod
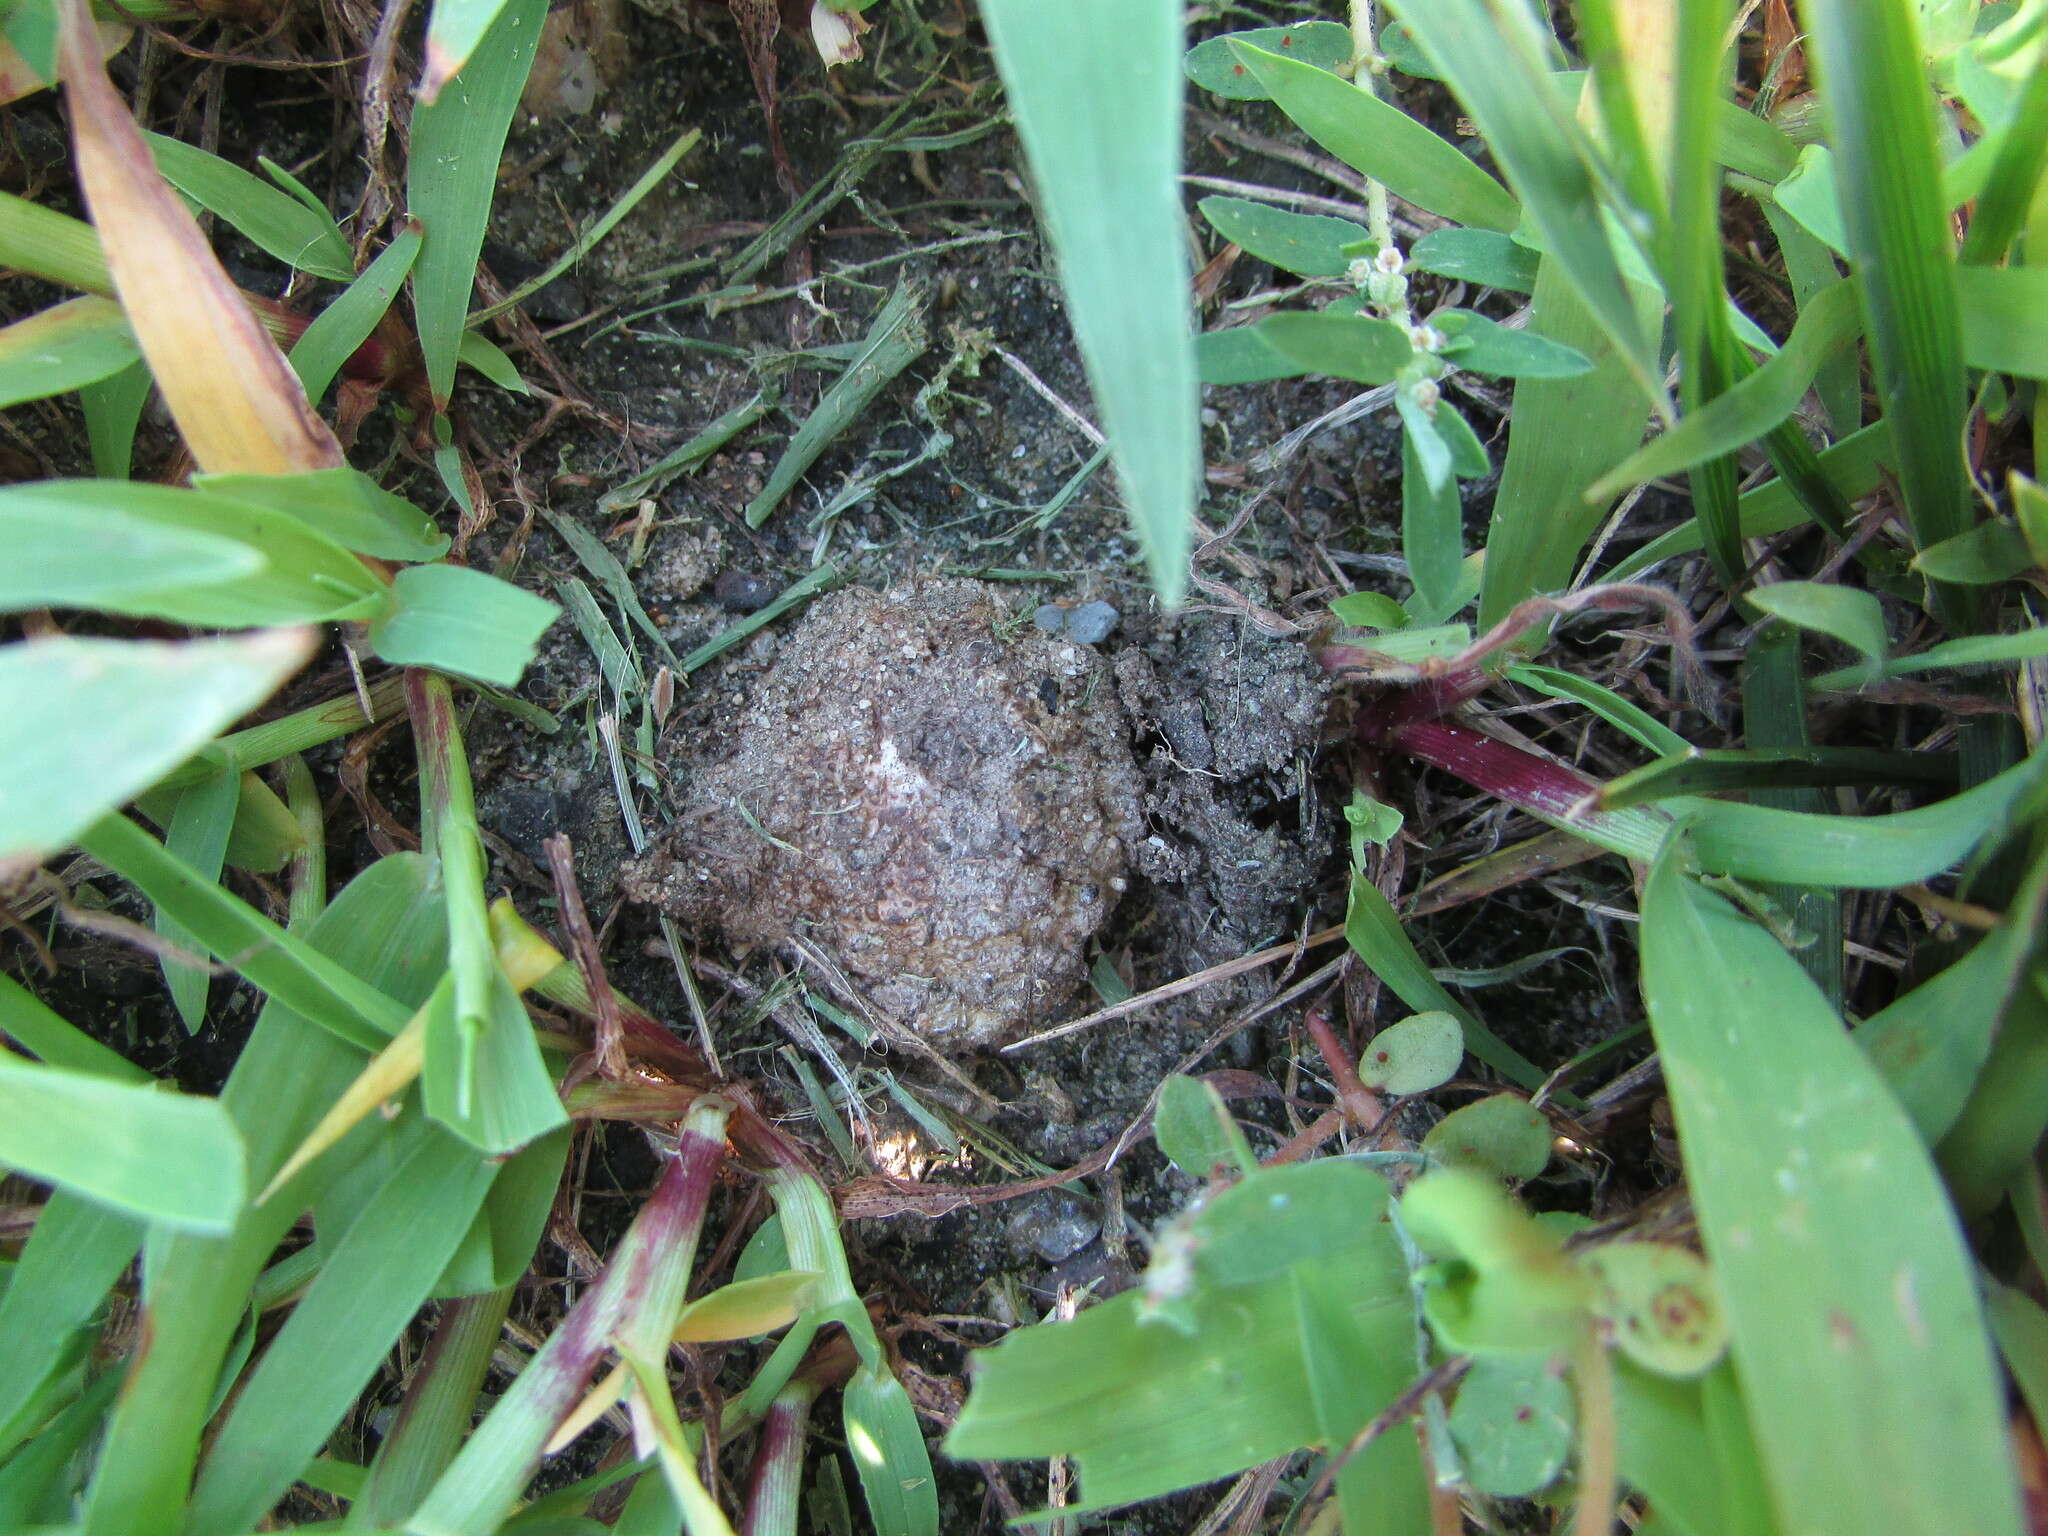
(941,797)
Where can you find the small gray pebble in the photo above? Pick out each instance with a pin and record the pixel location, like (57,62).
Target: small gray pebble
(1091,623)
(1050,617)
(1055,1226)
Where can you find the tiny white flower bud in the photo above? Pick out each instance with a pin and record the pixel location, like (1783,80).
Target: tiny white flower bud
(837,33)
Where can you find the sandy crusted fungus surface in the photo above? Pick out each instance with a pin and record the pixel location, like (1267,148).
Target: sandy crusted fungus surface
(940,796)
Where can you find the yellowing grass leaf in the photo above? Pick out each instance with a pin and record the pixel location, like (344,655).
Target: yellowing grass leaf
(238,403)
(746,1307)
(1848,1291)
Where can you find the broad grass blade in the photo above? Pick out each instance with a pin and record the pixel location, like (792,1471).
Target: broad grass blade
(172,1159)
(77,1251)
(286,1076)
(374,1278)
(292,971)
(302,576)
(1096,88)
(66,347)
(272,218)
(1854,467)
(2005,318)
(1932,1043)
(236,402)
(30,1024)
(457,139)
(113,410)
(1874,91)
(86,724)
(1562,434)
(344,325)
(62,555)
(462,621)
(1854,1313)
(1755,842)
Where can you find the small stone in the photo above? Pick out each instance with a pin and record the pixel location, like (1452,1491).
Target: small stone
(1091,623)
(1055,1226)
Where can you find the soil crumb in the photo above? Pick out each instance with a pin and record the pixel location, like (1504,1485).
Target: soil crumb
(928,788)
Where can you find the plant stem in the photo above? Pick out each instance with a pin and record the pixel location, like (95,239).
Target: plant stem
(778,1474)
(650,1268)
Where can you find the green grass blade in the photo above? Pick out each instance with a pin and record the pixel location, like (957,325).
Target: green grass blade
(346,505)
(72,1259)
(66,347)
(462,621)
(1813,269)
(1562,435)
(113,410)
(1932,1043)
(292,971)
(303,577)
(1096,88)
(379,932)
(2005,318)
(1875,94)
(279,223)
(1751,408)
(374,1278)
(344,325)
(1847,1287)
(1754,842)
(1382,141)
(1492,52)
(482,1074)
(452,174)
(895,341)
(109,560)
(1774,722)
(439,1405)
(1623,714)
(172,1159)
(1373,929)
(2016,169)
(197,833)
(1692,266)
(26,1021)
(86,724)
(1854,467)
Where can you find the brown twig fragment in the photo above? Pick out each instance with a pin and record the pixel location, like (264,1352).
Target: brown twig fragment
(609,1052)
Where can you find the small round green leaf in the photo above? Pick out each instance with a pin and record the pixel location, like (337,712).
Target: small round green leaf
(1414,1055)
(1659,1300)
(1513,1423)
(1503,1135)
(1194,1129)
